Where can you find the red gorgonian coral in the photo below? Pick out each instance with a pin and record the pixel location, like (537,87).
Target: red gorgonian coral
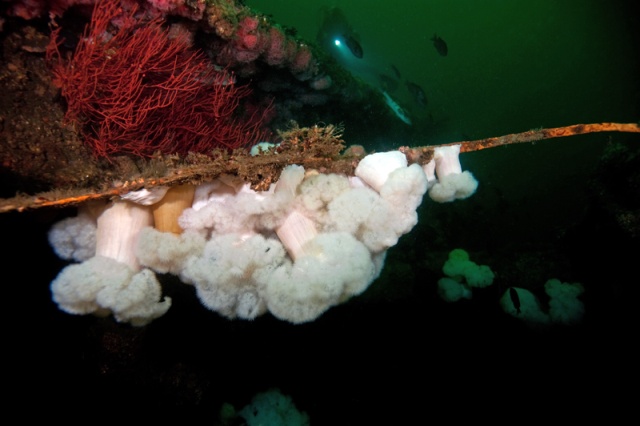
(135,90)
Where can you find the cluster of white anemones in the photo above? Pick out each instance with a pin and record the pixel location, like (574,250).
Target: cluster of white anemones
(308,243)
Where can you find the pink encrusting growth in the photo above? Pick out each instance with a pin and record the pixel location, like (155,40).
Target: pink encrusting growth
(248,32)
(255,39)
(302,62)
(31,9)
(276,51)
(139,91)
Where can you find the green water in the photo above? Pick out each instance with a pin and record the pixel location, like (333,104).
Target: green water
(512,66)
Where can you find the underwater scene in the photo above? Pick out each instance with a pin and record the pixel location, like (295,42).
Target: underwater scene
(279,212)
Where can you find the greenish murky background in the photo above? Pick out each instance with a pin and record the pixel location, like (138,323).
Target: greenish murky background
(512,66)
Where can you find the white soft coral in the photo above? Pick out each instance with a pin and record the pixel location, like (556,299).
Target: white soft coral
(167,252)
(309,242)
(112,281)
(74,238)
(452,183)
(335,267)
(564,305)
(380,217)
(104,286)
(229,273)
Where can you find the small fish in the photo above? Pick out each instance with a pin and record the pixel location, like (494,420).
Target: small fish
(440,45)
(396,71)
(353,45)
(417,93)
(290,31)
(397,109)
(515,299)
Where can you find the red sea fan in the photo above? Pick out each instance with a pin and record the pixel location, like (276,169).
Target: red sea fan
(138,91)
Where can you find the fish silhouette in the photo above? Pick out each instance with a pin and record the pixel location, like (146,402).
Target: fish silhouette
(353,45)
(515,299)
(396,71)
(440,45)
(397,109)
(417,93)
